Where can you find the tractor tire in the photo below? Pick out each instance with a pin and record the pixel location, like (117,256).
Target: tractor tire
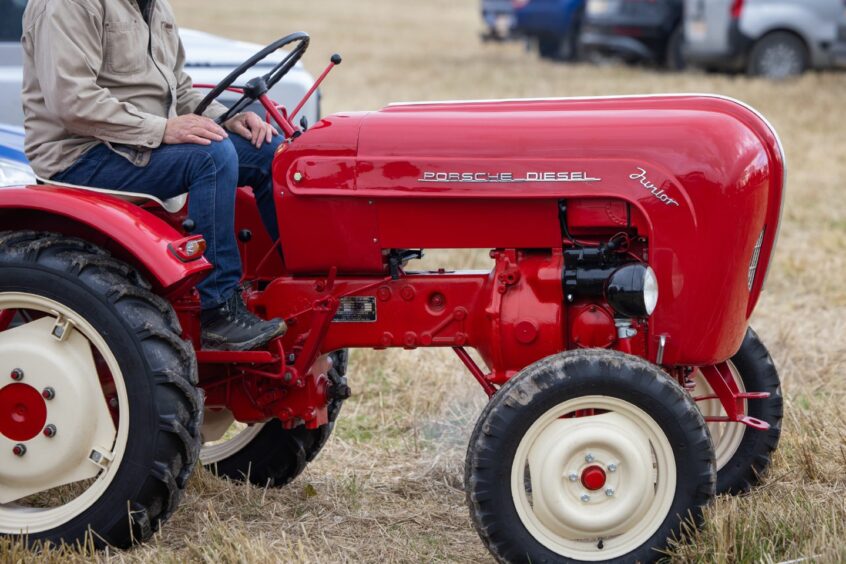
(778,55)
(122,402)
(267,454)
(588,455)
(744,454)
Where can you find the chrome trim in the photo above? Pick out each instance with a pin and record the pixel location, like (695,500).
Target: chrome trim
(662,343)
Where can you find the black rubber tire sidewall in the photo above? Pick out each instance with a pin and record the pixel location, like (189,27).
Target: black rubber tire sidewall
(107,517)
(488,466)
(758,372)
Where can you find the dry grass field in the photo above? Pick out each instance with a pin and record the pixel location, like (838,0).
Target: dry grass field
(388,488)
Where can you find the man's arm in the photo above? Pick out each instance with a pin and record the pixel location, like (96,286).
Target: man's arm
(188,98)
(68,56)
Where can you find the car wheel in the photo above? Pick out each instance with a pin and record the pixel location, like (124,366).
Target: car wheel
(778,55)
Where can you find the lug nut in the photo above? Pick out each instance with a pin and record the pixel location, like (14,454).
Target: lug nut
(19,450)
(573,477)
(612,467)
(609,492)
(585,498)
(50,431)
(589,457)
(17,375)
(48,393)
(113,403)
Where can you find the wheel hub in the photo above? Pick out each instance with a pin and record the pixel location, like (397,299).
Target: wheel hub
(70,407)
(593,478)
(587,447)
(23,412)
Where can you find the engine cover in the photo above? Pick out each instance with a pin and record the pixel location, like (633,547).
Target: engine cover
(704,173)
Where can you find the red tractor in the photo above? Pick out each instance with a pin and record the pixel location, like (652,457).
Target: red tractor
(629,241)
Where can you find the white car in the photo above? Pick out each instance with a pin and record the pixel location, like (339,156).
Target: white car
(209,59)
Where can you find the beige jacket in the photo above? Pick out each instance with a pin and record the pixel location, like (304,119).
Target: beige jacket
(96,72)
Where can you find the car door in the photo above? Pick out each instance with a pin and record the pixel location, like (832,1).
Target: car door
(11,59)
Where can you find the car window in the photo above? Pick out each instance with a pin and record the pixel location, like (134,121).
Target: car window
(11,14)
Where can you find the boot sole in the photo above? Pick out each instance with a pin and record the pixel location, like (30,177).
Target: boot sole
(254,343)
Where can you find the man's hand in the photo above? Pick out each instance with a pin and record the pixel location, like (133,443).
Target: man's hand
(249,126)
(192,128)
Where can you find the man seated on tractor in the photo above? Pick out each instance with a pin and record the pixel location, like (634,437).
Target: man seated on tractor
(107,104)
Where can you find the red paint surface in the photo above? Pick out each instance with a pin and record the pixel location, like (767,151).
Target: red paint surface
(593,478)
(143,236)
(23,412)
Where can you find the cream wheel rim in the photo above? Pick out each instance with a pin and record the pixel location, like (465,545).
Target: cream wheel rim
(56,351)
(608,522)
(726,436)
(223,436)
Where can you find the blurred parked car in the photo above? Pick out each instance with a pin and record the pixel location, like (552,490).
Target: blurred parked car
(774,38)
(499,19)
(209,59)
(553,24)
(14,168)
(635,30)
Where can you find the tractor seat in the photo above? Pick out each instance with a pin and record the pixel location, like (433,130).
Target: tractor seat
(171,205)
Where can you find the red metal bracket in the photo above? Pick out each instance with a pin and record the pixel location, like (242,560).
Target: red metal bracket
(721,380)
(475,370)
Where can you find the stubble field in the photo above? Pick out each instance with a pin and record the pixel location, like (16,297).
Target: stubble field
(389,485)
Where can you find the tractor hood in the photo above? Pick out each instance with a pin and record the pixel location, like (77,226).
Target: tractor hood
(705,172)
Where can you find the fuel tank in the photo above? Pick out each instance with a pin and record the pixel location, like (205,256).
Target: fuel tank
(705,174)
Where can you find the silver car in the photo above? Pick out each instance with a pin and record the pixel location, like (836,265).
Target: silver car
(772,38)
(209,59)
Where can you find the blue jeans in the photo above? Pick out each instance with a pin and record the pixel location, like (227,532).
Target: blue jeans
(210,174)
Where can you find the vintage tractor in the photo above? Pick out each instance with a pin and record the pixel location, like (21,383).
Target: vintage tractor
(629,240)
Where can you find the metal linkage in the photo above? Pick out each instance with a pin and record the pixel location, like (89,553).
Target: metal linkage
(722,381)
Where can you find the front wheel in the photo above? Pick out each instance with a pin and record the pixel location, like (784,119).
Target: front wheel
(744,454)
(588,456)
(99,411)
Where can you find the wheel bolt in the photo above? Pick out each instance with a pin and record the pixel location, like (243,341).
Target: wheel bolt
(113,403)
(612,467)
(609,492)
(589,457)
(50,431)
(573,477)
(585,498)
(17,375)
(48,393)
(19,450)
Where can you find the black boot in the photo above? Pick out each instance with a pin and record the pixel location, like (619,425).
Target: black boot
(232,327)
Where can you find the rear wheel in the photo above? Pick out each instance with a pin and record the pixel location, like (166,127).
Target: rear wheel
(267,454)
(778,55)
(99,413)
(743,454)
(587,456)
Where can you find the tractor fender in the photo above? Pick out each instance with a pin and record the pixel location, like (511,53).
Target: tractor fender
(126,230)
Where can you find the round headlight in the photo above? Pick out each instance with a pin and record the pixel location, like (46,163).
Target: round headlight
(632,290)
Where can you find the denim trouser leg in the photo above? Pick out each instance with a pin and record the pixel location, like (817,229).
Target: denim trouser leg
(210,174)
(254,169)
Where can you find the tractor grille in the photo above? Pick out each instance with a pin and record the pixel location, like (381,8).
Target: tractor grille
(756,255)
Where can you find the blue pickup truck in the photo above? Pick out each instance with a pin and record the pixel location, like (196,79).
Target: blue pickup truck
(553,24)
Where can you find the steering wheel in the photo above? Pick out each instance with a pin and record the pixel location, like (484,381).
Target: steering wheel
(259,86)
